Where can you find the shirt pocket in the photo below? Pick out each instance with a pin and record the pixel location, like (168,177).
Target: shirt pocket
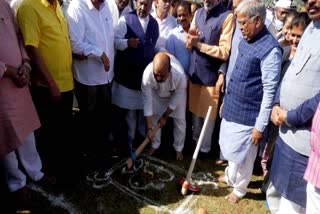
(90,36)
(301,62)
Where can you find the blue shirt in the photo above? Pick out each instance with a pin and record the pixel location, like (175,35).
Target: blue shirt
(237,36)
(176,45)
(270,69)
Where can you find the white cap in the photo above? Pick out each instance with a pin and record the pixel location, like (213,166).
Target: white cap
(286,4)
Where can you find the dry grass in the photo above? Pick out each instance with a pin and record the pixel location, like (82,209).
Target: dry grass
(110,199)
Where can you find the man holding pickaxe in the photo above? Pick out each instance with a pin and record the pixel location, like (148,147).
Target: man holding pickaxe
(164,88)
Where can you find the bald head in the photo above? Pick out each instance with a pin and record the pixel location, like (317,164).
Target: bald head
(161,67)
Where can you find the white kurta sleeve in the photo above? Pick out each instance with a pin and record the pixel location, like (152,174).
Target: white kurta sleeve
(147,91)
(77,33)
(121,30)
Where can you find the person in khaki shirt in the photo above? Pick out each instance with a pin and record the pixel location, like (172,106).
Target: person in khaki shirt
(45,34)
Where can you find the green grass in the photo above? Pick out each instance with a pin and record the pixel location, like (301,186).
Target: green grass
(110,199)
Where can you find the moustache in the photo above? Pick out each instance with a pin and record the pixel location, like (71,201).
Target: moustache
(312,6)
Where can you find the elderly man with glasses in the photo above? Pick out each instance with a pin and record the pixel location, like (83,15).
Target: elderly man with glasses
(248,101)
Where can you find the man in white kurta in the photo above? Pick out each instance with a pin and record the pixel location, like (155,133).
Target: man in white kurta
(164,88)
(165,21)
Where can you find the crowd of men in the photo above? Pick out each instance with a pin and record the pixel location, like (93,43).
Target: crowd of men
(133,66)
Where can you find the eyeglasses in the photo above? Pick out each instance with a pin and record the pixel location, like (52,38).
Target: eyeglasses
(245,22)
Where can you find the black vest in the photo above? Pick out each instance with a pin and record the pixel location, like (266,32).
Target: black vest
(131,62)
(204,68)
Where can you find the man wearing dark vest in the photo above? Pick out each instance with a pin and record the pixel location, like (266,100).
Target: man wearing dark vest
(250,93)
(209,38)
(136,37)
(295,105)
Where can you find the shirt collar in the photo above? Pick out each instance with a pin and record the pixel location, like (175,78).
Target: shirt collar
(91,6)
(145,19)
(155,15)
(180,29)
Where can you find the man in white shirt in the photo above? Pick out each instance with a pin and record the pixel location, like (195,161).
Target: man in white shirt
(165,21)
(118,8)
(92,39)
(164,88)
(64,6)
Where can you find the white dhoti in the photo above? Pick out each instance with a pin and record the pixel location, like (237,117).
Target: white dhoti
(313,199)
(132,101)
(179,121)
(236,147)
(239,175)
(29,159)
(280,205)
(179,133)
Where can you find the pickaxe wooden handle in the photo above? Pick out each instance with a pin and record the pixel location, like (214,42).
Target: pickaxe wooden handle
(142,146)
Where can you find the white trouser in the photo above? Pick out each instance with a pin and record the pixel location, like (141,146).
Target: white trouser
(197,123)
(179,133)
(135,120)
(273,198)
(30,160)
(313,199)
(280,205)
(239,175)
(289,207)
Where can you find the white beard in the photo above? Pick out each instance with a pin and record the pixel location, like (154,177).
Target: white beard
(210,6)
